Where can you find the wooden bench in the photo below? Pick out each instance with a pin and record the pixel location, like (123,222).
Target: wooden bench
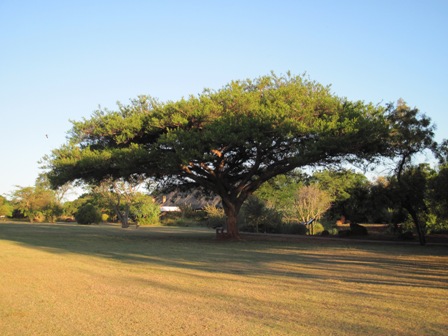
(220,230)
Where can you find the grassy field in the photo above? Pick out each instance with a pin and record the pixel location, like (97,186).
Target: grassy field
(68,279)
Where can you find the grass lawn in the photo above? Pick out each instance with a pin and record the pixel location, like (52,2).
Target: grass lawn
(68,279)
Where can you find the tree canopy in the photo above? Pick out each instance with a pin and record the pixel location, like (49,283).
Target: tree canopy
(228,141)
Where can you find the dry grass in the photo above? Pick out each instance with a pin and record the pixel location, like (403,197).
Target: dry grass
(65,279)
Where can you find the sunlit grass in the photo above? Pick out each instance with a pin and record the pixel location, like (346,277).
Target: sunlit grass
(101,280)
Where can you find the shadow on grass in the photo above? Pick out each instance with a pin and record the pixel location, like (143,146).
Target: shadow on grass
(197,249)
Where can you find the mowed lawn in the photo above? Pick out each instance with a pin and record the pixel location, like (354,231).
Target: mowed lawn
(68,279)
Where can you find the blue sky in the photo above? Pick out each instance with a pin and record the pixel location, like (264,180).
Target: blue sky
(60,60)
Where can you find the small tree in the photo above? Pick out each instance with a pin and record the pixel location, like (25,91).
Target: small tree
(145,209)
(120,195)
(311,203)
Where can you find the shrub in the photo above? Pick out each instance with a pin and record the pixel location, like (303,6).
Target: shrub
(435,224)
(215,216)
(332,231)
(148,214)
(88,214)
(187,211)
(358,230)
(293,228)
(39,217)
(316,228)
(261,218)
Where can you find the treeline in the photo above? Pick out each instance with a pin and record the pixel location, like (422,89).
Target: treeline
(345,195)
(280,205)
(109,201)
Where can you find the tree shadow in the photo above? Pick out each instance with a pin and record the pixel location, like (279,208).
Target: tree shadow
(197,249)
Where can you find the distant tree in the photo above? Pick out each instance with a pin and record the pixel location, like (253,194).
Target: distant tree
(278,193)
(144,209)
(71,207)
(35,202)
(255,210)
(6,208)
(348,190)
(228,141)
(439,191)
(60,193)
(311,203)
(119,194)
(410,133)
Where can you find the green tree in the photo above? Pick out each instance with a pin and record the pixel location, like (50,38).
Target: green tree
(5,207)
(145,209)
(438,185)
(411,132)
(120,195)
(278,193)
(347,188)
(35,202)
(228,141)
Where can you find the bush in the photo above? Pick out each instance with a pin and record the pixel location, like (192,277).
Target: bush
(316,228)
(255,214)
(187,211)
(88,214)
(215,216)
(358,230)
(148,214)
(293,228)
(435,224)
(333,231)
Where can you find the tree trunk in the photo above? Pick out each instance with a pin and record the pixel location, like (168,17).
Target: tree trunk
(232,226)
(122,217)
(231,210)
(418,225)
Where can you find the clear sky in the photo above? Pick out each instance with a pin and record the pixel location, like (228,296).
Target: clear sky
(60,60)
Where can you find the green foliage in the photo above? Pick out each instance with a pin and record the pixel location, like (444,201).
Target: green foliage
(410,133)
(315,228)
(348,189)
(259,217)
(88,214)
(6,207)
(438,192)
(71,207)
(228,141)
(215,216)
(294,228)
(278,192)
(36,203)
(145,210)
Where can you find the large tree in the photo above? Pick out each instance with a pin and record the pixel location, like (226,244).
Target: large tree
(229,141)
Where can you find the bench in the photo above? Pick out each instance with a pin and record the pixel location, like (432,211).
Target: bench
(220,230)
